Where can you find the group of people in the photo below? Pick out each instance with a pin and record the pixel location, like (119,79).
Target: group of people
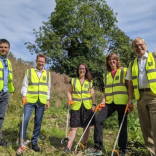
(120,84)
(35,95)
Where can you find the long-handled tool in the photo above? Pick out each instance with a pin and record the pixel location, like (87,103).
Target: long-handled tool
(23,143)
(126,109)
(67,138)
(99,107)
(22,140)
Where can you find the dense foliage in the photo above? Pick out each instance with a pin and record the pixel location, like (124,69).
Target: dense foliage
(81,31)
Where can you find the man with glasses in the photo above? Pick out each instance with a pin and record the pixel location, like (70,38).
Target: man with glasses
(36,95)
(6,84)
(142,81)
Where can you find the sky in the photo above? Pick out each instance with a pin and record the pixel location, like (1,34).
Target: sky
(18,18)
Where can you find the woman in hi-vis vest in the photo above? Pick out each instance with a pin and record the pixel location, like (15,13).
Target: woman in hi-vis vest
(81,93)
(115,98)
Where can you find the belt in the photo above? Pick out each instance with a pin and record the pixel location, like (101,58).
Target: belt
(145,90)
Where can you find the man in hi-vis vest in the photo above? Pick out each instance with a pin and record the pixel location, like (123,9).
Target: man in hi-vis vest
(36,95)
(142,81)
(6,84)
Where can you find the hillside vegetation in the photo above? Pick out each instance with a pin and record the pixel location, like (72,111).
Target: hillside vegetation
(54,120)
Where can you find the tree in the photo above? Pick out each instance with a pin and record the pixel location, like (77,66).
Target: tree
(77,31)
(121,44)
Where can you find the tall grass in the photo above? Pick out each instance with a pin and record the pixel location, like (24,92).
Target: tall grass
(54,120)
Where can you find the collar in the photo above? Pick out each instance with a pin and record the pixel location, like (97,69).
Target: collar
(2,58)
(144,56)
(38,70)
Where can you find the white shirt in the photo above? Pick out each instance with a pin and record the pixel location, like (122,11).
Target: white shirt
(25,83)
(143,81)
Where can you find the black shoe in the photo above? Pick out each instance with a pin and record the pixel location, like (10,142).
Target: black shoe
(36,148)
(4,143)
(67,150)
(123,153)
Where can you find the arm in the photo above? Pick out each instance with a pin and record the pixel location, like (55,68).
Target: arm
(129,86)
(130,92)
(104,98)
(24,88)
(93,98)
(48,93)
(69,93)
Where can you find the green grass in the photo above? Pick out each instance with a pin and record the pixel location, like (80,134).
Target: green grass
(53,131)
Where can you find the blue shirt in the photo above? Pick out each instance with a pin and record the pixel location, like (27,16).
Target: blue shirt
(5,73)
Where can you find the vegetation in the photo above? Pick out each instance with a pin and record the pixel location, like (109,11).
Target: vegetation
(81,31)
(54,121)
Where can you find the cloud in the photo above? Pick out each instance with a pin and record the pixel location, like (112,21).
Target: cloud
(19,18)
(137,19)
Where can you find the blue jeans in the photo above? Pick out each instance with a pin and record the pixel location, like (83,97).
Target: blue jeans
(39,111)
(4,100)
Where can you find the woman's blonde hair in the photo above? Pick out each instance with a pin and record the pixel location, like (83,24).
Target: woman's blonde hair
(114,56)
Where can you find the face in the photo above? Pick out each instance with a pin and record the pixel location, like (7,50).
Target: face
(40,63)
(112,62)
(139,48)
(4,49)
(82,70)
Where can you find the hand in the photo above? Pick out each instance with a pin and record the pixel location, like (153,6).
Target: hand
(24,100)
(93,108)
(130,107)
(47,104)
(101,104)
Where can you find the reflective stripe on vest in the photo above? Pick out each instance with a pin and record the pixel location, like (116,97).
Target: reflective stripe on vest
(81,94)
(37,88)
(150,70)
(115,89)
(10,77)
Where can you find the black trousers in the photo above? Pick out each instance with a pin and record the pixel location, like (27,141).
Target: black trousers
(102,116)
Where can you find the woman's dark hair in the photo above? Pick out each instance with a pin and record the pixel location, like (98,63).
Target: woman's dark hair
(114,56)
(88,75)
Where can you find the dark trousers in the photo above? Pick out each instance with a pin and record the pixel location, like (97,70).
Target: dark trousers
(4,100)
(39,111)
(102,116)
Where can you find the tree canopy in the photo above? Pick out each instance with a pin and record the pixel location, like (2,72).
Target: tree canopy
(81,32)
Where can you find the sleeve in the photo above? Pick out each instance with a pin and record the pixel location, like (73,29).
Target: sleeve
(129,75)
(49,87)
(24,85)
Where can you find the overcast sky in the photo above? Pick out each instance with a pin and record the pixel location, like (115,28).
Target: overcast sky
(18,18)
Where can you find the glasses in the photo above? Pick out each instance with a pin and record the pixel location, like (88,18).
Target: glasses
(138,45)
(82,69)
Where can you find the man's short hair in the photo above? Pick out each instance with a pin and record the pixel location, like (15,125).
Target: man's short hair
(4,41)
(138,38)
(41,55)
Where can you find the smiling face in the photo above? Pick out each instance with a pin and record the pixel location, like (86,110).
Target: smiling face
(4,49)
(112,62)
(139,47)
(40,63)
(82,71)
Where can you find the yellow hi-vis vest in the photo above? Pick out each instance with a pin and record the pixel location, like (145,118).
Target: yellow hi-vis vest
(37,88)
(115,89)
(81,94)
(150,70)
(10,77)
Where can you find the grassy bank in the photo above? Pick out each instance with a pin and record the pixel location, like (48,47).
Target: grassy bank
(54,120)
